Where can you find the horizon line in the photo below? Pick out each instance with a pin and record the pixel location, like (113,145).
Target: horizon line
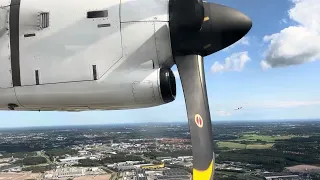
(161,122)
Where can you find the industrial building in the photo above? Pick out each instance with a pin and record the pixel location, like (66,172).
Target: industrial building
(284,177)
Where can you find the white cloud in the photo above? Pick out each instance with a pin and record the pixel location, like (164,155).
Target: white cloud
(222,113)
(289,104)
(243,41)
(235,62)
(296,44)
(264,65)
(217,67)
(283,104)
(269,38)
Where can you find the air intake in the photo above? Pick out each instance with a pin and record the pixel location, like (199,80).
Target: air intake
(43,20)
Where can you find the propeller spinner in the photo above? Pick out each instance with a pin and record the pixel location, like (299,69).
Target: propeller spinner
(199,29)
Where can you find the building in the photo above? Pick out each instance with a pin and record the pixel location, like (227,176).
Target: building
(72,159)
(84,152)
(162,158)
(15,169)
(284,177)
(125,168)
(174,174)
(152,166)
(69,172)
(63,173)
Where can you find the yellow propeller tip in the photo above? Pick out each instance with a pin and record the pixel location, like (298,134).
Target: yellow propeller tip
(204,174)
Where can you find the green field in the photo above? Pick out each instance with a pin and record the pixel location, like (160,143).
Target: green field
(233,145)
(254,137)
(259,146)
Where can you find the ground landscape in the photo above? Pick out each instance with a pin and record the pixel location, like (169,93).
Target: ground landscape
(243,150)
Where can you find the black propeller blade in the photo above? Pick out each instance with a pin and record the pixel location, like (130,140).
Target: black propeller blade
(220,27)
(192,77)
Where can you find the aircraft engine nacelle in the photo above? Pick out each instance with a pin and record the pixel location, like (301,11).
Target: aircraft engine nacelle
(139,88)
(167,85)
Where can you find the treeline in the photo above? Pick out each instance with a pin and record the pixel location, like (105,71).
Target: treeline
(228,175)
(154,132)
(264,128)
(108,160)
(224,137)
(269,159)
(18,154)
(39,169)
(59,153)
(28,146)
(307,148)
(257,141)
(88,163)
(34,160)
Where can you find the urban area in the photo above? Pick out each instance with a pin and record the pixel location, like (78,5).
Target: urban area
(243,150)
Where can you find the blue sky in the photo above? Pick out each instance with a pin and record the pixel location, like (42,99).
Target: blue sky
(273,73)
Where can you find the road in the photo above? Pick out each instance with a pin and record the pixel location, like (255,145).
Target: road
(114,176)
(42,154)
(107,169)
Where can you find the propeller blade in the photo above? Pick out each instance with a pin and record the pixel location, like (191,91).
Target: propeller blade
(198,29)
(191,70)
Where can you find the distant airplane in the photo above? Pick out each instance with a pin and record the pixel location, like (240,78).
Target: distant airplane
(238,108)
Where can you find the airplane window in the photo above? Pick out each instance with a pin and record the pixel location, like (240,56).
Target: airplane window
(97,14)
